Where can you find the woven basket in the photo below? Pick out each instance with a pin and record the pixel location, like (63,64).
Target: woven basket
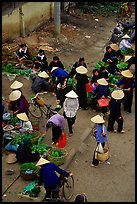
(40,101)
(27,177)
(103,156)
(57,160)
(37,135)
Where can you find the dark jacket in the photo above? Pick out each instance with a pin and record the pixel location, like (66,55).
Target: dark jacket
(43,62)
(102,90)
(39,84)
(21,53)
(115,108)
(53,64)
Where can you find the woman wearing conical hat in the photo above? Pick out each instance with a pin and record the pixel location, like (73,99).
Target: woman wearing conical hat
(18,103)
(128,85)
(25,122)
(101,135)
(124,44)
(115,111)
(71,105)
(40,82)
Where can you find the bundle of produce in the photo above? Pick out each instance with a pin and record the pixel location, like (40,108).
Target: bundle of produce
(122,66)
(100,64)
(14,120)
(128,51)
(31,189)
(114,78)
(40,148)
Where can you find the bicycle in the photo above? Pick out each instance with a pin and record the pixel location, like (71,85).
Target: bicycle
(38,105)
(66,190)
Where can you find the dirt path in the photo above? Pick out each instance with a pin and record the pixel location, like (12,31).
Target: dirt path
(118,178)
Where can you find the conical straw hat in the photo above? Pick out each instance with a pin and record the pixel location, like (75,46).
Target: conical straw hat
(102,81)
(127,57)
(43,74)
(14,95)
(54,68)
(23,116)
(117,94)
(114,46)
(42,161)
(97,119)
(81,70)
(126,36)
(127,73)
(71,94)
(11,158)
(16,85)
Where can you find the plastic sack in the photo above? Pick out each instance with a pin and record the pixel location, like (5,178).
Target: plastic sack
(99,148)
(11,148)
(89,87)
(103,102)
(62,140)
(6,116)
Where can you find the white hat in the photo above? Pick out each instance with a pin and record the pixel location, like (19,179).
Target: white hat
(16,85)
(14,95)
(114,46)
(81,70)
(11,158)
(127,57)
(117,94)
(97,119)
(126,36)
(54,68)
(127,73)
(42,161)
(71,94)
(102,81)
(43,74)
(23,116)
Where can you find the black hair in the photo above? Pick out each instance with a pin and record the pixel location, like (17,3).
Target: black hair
(41,51)
(49,125)
(81,198)
(62,79)
(94,70)
(23,45)
(102,68)
(81,59)
(55,58)
(108,48)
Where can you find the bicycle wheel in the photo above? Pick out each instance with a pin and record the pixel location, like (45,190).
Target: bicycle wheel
(35,110)
(68,188)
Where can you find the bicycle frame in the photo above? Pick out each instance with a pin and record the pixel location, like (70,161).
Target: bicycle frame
(48,112)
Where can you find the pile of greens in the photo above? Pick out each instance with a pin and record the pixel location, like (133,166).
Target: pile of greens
(29,166)
(114,78)
(122,66)
(128,51)
(56,153)
(10,68)
(19,138)
(14,120)
(32,190)
(100,64)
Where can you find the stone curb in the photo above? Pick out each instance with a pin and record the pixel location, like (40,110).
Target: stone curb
(74,151)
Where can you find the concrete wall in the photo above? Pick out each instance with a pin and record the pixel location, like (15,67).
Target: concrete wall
(33,15)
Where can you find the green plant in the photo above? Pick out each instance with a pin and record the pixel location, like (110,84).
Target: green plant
(28,166)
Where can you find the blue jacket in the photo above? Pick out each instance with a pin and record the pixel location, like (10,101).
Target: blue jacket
(102,90)
(59,73)
(99,131)
(49,177)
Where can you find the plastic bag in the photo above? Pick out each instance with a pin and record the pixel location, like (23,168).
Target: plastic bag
(99,148)
(103,102)
(89,87)
(62,140)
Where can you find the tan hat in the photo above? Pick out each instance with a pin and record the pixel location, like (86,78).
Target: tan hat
(127,73)
(43,74)
(42,161)
(97,119)
(114,46)
(11,158)
(127,57)
(16,85)
(54,68)
(71,94)
(126,36)
(23,116)
(117,94)
(14,95)
(81,70)
(102,81)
